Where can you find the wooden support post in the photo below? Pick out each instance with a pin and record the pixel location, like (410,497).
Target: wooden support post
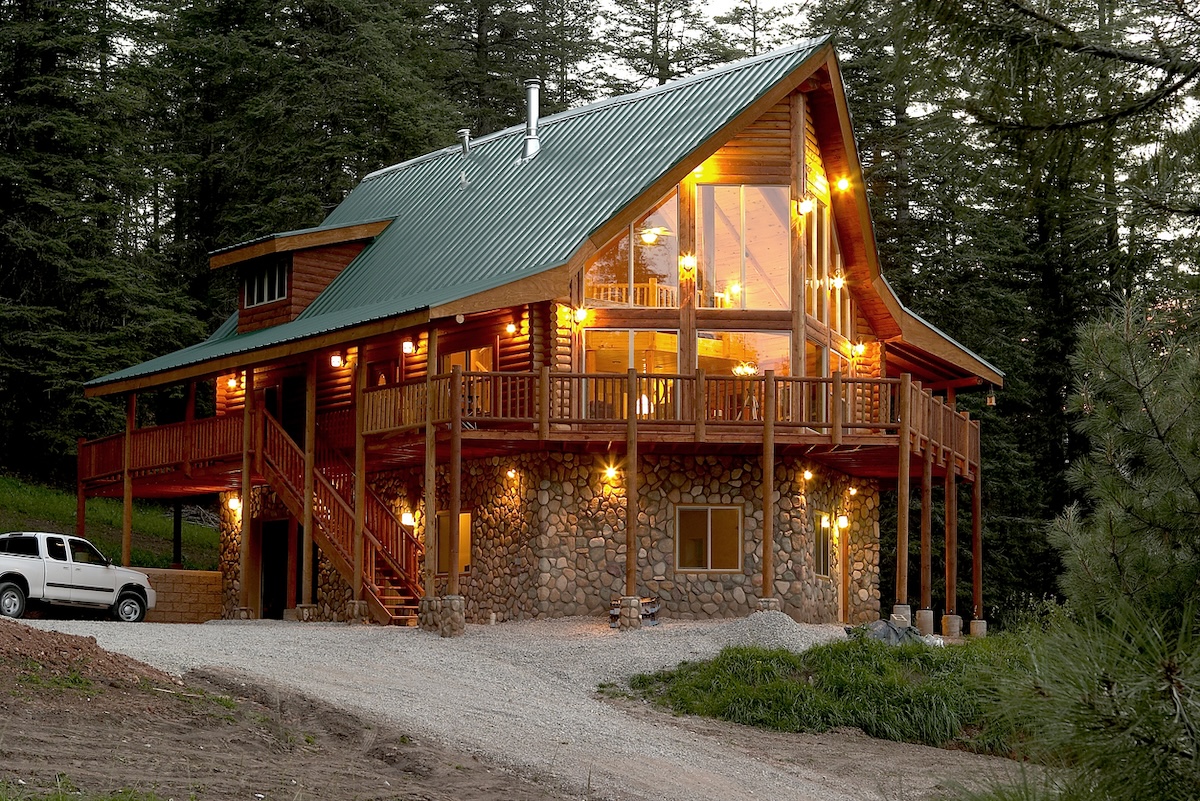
(127,480)
(189,422)
(701,406)
(360,468)
(836,409)
(902,476)
(456,404)
(927,529)
(249,421)
(768,486)
(80,497)
(631,486)
(951,541)
(544,403)
(429,520)
(177,536)
(310,469)
(977,547)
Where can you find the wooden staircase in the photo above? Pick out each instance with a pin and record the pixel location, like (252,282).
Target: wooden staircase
(391,551)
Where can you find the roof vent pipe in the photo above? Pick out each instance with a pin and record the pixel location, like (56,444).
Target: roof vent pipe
(464,135)
(532,145)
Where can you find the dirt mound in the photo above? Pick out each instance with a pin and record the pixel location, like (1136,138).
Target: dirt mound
(63,657)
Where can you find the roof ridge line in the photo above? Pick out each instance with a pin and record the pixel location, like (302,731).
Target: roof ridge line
(609,102)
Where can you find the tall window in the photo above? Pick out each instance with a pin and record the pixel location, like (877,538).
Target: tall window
(640,268)
(823,544)
(744,241)
(267,284)
(616,351)
(443,543)
(708,538)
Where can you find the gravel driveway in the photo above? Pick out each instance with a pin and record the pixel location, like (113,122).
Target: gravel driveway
(522,694)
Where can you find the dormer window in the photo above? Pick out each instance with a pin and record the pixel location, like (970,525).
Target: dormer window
(266,284)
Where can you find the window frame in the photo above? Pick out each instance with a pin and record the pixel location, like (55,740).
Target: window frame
(703,292)
(630,233)
(709,508)
(279,271)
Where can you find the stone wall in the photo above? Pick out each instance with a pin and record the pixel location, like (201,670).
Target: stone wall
(229,555)
(185,596)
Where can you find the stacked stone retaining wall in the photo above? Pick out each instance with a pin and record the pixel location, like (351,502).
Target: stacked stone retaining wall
(185,596)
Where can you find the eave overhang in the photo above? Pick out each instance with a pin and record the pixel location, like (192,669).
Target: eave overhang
(295,240)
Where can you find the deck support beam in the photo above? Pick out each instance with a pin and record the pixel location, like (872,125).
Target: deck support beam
(310,469)
(977,553)
(360,468)
(902,489)
(248,439)
(632,502)
(127,480)
(951,620)
(768,491)
(927,529)
(80,497)
(177,535)
(456,404)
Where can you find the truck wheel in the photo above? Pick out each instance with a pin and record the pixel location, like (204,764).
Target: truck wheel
(12,600)
(130,608)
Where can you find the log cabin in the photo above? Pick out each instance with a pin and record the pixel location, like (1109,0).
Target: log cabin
(642,349)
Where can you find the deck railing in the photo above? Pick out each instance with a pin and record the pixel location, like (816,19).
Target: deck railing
(176,445)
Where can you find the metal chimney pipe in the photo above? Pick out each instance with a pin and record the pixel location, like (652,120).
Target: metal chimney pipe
(464,134)
(532,145)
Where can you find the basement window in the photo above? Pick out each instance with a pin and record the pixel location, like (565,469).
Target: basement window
(443,543)
(708,538)
(267,284)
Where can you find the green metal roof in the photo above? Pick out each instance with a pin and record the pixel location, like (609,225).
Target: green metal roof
(466,225)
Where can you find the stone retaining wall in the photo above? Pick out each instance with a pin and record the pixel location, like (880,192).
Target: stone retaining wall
(185,596)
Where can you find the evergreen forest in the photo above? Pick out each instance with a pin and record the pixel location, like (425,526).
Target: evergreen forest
(1030,165)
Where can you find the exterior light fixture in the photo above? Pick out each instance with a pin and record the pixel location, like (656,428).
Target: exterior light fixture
(687,263)
(843,184)
(991,396)
(610,472)
(234,504)
(735,289)
(838,281)
(512,473)
(232,383)
(406,518)
(336,361)
(853,491)
(511,328)
(859,348)
(805,206)
(650,236)
(843,521)
(808,475)
(408,347)
(581,314)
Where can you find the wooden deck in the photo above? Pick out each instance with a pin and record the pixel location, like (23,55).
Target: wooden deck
(853,424)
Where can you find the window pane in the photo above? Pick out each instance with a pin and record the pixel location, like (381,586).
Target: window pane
(606,279)
(821,560)
(768,248)
(719,238)
(693,539)
(656,257)
(753,352)
(726,539)
(83,552)
(605,351)
(56,549)
(443,543)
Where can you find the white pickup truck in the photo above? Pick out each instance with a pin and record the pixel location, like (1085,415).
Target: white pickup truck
(61,569)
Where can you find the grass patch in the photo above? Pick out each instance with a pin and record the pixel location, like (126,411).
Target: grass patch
(25,506)
(910,693)
(34,676)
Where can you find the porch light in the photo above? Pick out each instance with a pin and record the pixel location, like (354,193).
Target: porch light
(408,347)
(336,361)
(232,383)
(512,473)
(843,521)
(234,504)
(859,348)
(650,236)
(853,491)
(610,472)
(407,518)
(511,328)
(687,263)
(581,314)
(808,475)
(838,281)
(991,396)
(804,206)
(843,184)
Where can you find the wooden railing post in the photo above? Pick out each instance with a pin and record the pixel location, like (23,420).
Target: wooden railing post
(701,412)
(127,480)
(189,434)
(248,439)
(544,402)
(902,489)
(456,402)
(836,410)
(631,487)
(768,486)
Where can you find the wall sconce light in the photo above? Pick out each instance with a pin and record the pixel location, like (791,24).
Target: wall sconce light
(408,347)
(735,289)
(808,475)
(838,281)
(843,184)
(843,521)
(650,236)
(805,206)
(991,396)
(581,314)
(407,519)
(860,348)
(610,472)
(336,360)
(232,383)
(511,328)
(853,491)
(687,263)
(234,504)
(512,473)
